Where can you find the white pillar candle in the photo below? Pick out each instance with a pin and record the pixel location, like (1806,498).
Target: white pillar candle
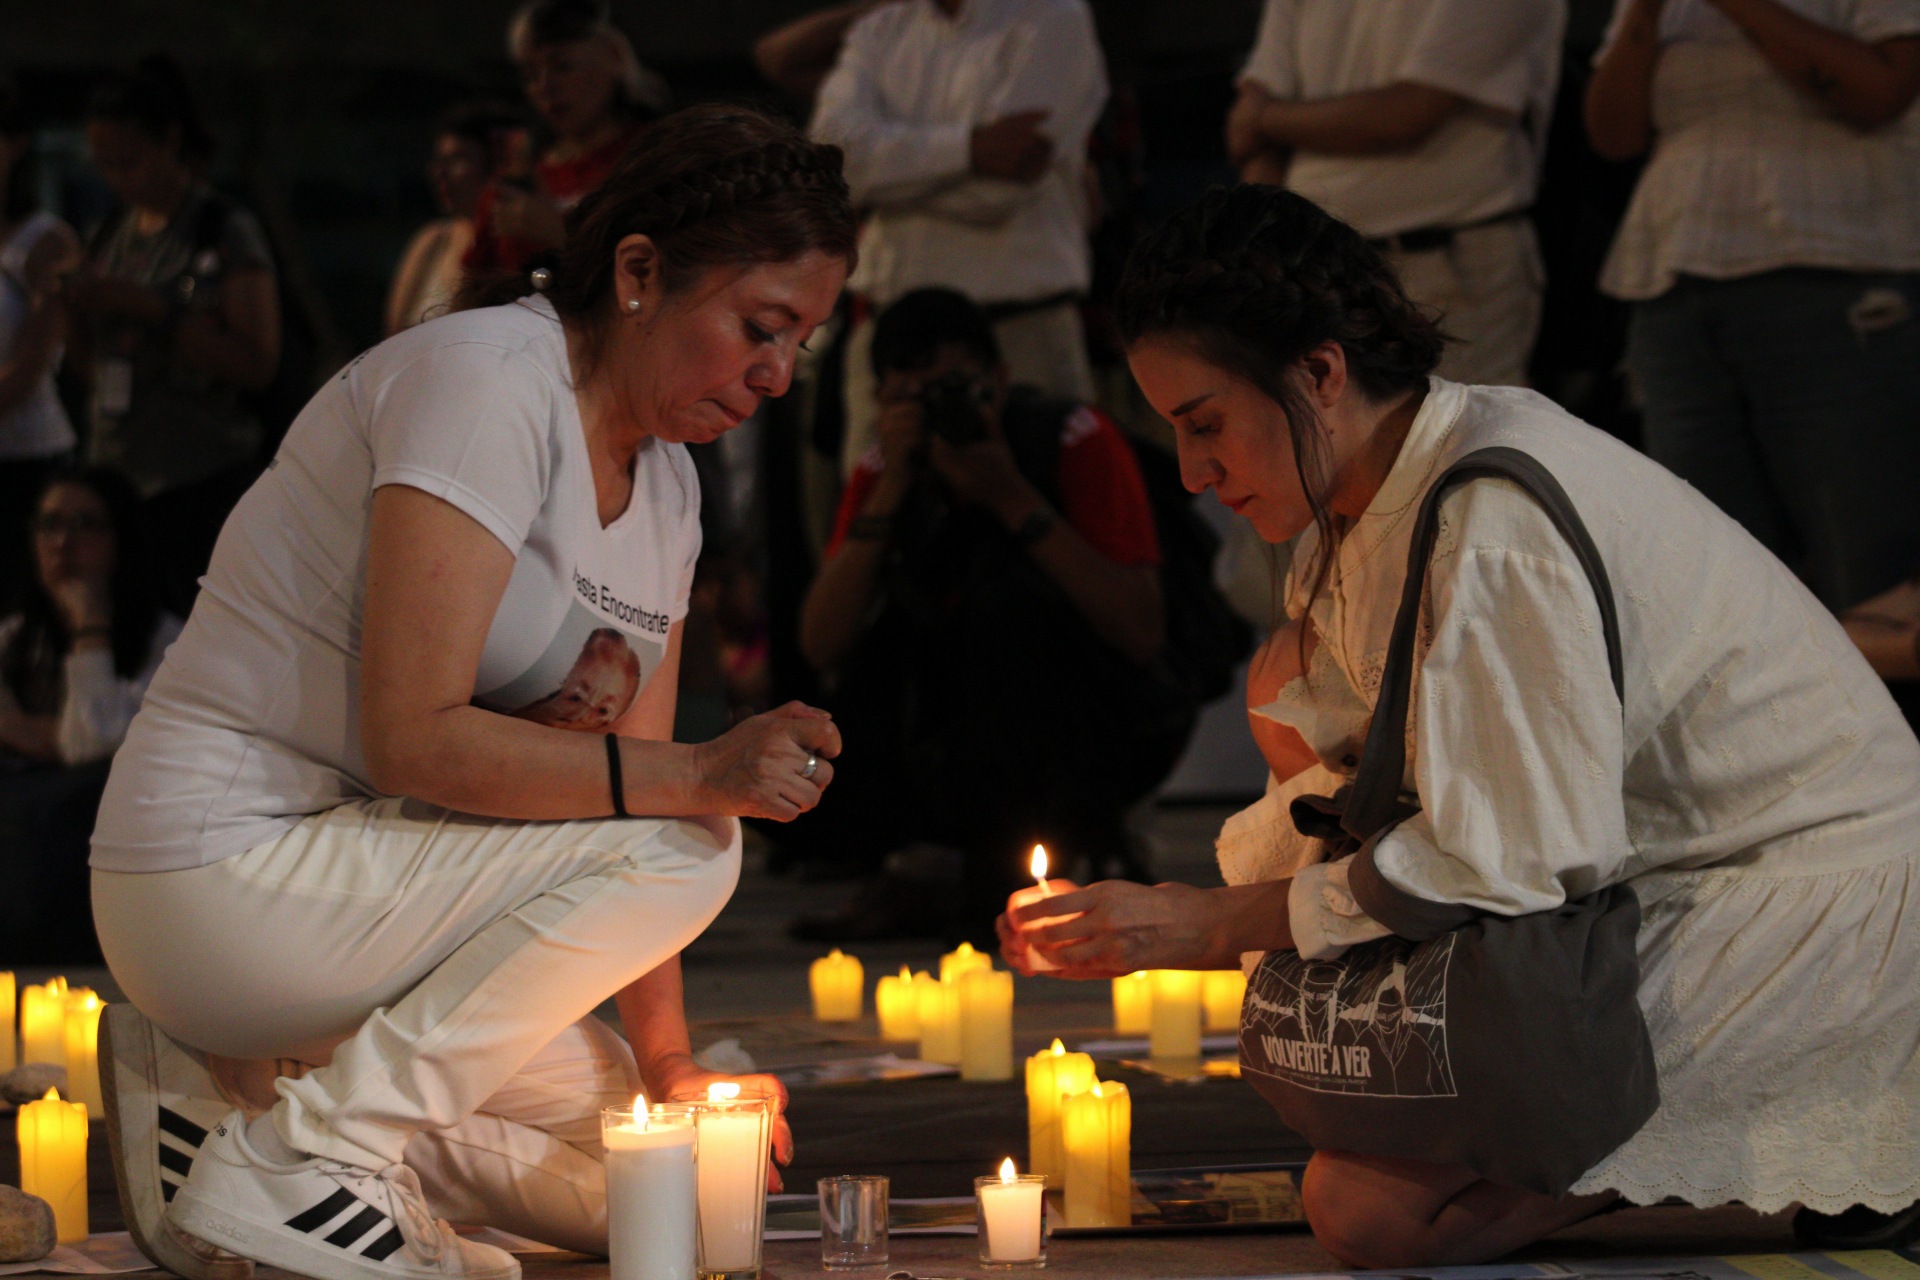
(1224,991)
(986,1025)
(732,1165)
(838,983)
(1176,1014)
(82,1035)
(1133,1004)
(9,1059)
(43,1022)
(963,959)
(650,1192)
(1010,1209)
(940,1023)
(897,1002)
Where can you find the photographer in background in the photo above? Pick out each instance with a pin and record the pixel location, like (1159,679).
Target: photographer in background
(990,609)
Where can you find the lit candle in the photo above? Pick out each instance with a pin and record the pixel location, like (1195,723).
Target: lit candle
(1176,1014)
(1096,1128)
(1052,1075)
(838,982)
(53,1161)
(986,1025)
(1133,1004)
(1222,993)
(1038,865)
(9,1048)
(962,959)
(897,1001)
(650,1191)
(1011,1209)
(731,1161)
(83,1049)
(940,1022)
(43,1022)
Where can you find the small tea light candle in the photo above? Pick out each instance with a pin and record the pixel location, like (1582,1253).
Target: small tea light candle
(962,959)
(1223,991)
(651,1213)
(9,1047)
(83,1049)
(1011,1210)
(1133,1004)
(1052,1075)
(986,1025)
(43,1022)
(53,1161)
(1037,864)
(897,1001)
(939,1007)
(838,982)
(1175,1032)
(1096,1128)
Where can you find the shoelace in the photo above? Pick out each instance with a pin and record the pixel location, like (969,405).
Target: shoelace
(418,1227)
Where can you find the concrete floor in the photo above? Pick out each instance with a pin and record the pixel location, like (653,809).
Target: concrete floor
(747,981)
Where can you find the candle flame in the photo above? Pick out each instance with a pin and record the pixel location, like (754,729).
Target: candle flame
(1039,863)
(722,1092)
(1007,1171)
(1058,1048)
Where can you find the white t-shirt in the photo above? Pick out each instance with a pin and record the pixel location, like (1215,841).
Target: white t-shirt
(252,722)
(35,427)
(1501,55)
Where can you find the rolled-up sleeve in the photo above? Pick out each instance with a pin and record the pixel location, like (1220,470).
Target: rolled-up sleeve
(1270,65)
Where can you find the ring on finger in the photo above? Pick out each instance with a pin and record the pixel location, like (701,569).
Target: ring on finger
(812,767)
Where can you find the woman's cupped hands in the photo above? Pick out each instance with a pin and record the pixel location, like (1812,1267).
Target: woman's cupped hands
(684,1080)
(773,765)
(1111,929)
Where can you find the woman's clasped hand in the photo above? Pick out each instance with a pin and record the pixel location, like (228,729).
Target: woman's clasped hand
(773,765)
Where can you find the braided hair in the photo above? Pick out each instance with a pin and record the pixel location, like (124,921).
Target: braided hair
(713,185)
(1253,278)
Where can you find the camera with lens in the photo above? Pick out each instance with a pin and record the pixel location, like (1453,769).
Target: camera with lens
(955,407)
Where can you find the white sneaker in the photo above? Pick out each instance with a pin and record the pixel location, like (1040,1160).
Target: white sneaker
(160,1102)
(322,1218)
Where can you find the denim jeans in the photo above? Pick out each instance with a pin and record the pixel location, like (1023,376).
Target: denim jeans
(1791,399)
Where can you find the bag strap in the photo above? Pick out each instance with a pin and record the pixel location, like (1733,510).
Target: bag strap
(1373,803)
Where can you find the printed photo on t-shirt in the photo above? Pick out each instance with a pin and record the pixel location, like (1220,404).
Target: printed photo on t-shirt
(586,679)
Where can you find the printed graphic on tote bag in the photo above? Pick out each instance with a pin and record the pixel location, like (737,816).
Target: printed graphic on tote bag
(1372,1022)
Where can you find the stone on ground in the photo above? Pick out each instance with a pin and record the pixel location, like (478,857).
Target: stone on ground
(26,1226)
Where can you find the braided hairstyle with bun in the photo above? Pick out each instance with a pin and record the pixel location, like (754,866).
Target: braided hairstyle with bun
(1252,278)
(711,186)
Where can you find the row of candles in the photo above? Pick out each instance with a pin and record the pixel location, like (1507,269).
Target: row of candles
(61,1026)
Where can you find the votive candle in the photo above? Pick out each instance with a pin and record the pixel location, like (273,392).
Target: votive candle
(651,1198)
(1012,1216)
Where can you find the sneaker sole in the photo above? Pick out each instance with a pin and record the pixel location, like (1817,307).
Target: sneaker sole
(274,1245)
(133,1136)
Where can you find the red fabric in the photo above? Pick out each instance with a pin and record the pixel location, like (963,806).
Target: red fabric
(563,182)
(1102,494)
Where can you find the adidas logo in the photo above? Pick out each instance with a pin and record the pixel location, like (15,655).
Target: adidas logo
(180,1141)
(359,1229)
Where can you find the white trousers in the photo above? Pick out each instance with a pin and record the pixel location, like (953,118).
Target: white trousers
(1487,286)
(444,969)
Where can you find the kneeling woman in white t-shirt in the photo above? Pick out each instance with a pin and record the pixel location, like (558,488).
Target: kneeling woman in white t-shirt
(374,816)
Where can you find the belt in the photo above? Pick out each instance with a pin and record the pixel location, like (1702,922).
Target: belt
(1428,239)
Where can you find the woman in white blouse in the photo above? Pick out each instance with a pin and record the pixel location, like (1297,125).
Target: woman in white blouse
(75,660)
(1758,793)
(1772,256)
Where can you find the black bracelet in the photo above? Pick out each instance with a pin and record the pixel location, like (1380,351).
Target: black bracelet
(614,779)
(1034,527)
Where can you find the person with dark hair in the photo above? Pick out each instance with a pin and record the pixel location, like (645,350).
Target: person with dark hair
(36,249)
(1423,123)
(178,318)
(402,806)
(990,603)
(1598,694)
(965,124)
(1775,229)
(75,662)
(468,144)
(594,96)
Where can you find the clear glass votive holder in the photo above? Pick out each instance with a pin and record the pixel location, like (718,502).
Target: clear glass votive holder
(651,1196)
(1012,1214)
(731,1157)
(853,1221)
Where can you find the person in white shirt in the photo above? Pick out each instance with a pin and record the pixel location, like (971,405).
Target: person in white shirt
(965,125)
(1771,256)
(1745,777)
(1422,124)
(360,824)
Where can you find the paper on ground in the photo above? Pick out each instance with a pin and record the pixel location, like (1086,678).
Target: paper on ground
(112,1253)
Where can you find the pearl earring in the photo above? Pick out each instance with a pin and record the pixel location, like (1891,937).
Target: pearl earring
(633,304)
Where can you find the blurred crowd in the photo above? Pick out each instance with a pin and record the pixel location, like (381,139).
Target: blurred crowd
(873,539)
